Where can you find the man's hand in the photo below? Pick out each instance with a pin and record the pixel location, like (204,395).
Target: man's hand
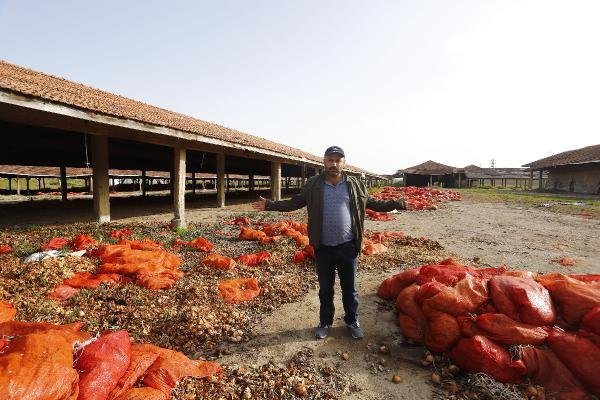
(260,204)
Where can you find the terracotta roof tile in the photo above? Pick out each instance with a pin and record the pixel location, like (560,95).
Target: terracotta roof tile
(55,89)
(578,156)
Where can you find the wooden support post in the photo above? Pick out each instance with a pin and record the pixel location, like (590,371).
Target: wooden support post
(275,180)
(540,186)
(193,183)
(227,183)
(220,180)
(63,182)
(251,182)
(179,176)
(303,174)
(18,186)
(144,188)
(100,178)
(9,185)
(27,185)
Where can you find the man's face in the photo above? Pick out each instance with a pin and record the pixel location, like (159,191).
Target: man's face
(334,164)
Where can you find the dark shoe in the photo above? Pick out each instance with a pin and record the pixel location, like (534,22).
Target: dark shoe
(322,331)
(356,331)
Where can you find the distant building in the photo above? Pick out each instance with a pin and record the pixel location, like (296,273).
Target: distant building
(429,173)
(576,171)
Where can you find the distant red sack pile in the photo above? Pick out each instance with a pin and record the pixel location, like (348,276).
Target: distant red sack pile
(418,198)
(37,360)
(472,314)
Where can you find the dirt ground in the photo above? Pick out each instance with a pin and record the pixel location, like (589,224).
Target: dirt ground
(486,234)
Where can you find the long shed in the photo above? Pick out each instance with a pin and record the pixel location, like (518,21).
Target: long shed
(576,171)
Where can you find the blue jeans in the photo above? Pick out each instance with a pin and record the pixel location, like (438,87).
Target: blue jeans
(344,259)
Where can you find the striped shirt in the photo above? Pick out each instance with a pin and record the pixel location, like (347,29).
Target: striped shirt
(337,219)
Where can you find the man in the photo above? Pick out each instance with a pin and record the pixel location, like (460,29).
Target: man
(336,205)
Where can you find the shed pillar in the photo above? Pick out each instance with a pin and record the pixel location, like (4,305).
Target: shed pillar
(63,182)
(275,180)
(100,178)
(221,180)
(179,176)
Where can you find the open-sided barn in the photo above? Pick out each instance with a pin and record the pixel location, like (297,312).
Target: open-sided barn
(575,171)
(50,121)
(428,173)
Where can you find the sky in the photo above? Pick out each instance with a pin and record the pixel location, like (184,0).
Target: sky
(395,83)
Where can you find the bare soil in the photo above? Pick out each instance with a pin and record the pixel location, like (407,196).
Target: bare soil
(479,233)
(475,232)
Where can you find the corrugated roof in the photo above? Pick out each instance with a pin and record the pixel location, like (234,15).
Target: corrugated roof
(584,155)
(429,168)
(55,89)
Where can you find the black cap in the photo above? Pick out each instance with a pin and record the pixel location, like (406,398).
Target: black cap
(334,150)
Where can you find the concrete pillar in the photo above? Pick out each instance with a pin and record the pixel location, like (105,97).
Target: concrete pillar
(275,180)
(220,180)
(303,175)
(100,182)
(143,184)
(540,187)
(18,186)
(27,184)
(63,182)
(179,188)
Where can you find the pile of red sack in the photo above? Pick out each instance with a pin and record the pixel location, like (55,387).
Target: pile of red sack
(418,198)
(37,360)
(472,315)
(144,262)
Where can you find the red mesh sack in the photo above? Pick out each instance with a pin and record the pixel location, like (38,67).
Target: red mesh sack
(254,234)
(62,292)
(38,366)
(468,294)
(55,244)
(157,281)
(238,290)
(522,299)
(441,331)
(370,248)
(590,322)
(253,259)
(468,325)
(487,273)
(545,369)
(298,257)
(428,290)
(411,329)
(198,243)
(102,363)
(5,249)
(142,393)
(218,261)
(405,303)
(573,297)
(503,329)
(7,311)
(171,366)
(391,287)
(447,272)
(120,233)
(141,360)
(91,281)
(70,332)
(83,241)
(589,278)
(480,354)
(580,355)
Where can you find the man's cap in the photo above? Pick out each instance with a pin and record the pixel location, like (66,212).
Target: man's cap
(334,150)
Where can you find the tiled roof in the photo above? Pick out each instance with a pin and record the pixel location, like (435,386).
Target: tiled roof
(54,172)
(27,82)
(429,168)
(583,155)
